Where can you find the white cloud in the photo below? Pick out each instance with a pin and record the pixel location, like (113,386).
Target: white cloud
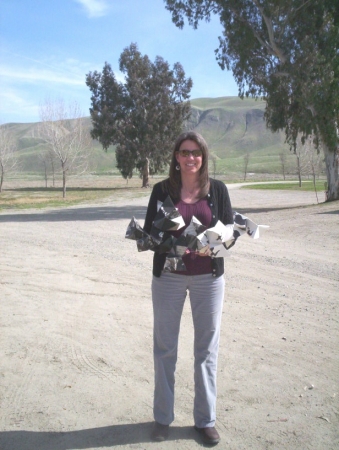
(25,81)
(16,106)
(94,8)
(34,76)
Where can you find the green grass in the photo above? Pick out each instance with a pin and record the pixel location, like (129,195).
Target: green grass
(97,189)
(290,186)
(40,198)
(226,103)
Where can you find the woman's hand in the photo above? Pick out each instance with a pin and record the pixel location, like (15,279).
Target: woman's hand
(203,252)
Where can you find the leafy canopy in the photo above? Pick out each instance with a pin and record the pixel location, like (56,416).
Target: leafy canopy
(142,115)
(286,51)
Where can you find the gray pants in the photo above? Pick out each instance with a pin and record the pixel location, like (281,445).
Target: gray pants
(206,296)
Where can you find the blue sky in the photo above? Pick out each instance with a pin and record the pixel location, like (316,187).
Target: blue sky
(48,46)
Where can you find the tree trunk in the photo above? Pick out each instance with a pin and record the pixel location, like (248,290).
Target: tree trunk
(314,183)
(145,174)
(299,169)
(46,176)
(1,180)
(53,173)
(63,181)
(331,161)
(246,160)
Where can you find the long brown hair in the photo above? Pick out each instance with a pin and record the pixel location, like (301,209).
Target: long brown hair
(173,184)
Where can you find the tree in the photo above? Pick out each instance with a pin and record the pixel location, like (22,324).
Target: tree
(8,159)
(246,161)
(302,163)
(66,136)
(283,159)
(309,161)
(44,162)
(315,164)
(212,157)
(48,162)
(285,51)
(141,116)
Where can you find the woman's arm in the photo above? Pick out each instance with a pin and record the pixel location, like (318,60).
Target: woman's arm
(158,194)
(222,201)
(227,207)
(151,211)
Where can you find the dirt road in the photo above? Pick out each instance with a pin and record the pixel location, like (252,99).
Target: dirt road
(76,331)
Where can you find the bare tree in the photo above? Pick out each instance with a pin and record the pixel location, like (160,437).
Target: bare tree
(52,161)
(246,161)
(302,162)
(8,158)
(309,160)
(65,135)
(44,162)
(48,162)
(283,160)
(315,162)
(213,158)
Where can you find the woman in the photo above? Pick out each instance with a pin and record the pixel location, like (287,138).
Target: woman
(193,194)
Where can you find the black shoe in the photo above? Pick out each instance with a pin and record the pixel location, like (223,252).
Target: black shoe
(160,432)
(209,435)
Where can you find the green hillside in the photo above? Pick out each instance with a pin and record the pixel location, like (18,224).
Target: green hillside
(231,126)
(234,127)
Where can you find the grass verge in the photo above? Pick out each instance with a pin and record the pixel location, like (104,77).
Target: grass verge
(103,189)
(40,198)
(290,186)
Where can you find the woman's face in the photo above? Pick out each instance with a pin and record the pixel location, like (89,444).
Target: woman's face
(189,157)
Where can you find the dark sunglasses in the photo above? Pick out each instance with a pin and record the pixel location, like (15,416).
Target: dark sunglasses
(186,153)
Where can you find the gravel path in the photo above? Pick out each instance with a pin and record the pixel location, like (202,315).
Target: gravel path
(76,331)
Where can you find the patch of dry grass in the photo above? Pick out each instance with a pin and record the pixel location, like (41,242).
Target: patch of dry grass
(27,194)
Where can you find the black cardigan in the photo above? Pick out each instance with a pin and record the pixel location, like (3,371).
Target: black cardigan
(220,204)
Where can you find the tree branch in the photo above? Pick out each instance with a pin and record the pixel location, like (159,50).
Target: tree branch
(273,45)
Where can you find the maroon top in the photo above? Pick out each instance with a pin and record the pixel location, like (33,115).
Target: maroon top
(195,264)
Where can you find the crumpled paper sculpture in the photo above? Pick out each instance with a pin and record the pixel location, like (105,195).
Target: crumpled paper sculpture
(144,240)
(219,239)
(195,238)
(244,225)
(168,217)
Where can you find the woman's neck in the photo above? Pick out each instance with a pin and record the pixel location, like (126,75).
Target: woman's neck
(190,184)
(190,189)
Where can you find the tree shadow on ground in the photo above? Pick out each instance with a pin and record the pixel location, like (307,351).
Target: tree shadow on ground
(72,189)
(329,212)
(77,214)
(103,213)
(110,436)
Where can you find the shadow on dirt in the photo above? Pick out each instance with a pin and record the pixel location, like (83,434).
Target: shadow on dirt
(329,212)
(103,437)
(78,214)
(103,213)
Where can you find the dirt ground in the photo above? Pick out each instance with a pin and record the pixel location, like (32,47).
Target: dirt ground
(76,331)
